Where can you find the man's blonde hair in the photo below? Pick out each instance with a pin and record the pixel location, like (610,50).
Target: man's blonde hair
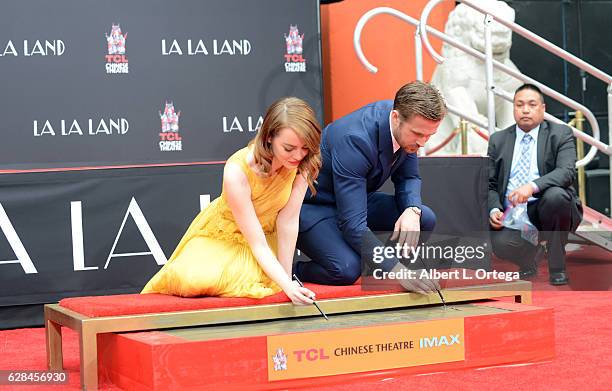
(418,98)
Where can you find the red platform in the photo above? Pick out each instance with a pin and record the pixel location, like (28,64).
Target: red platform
(135,304)
(239,356)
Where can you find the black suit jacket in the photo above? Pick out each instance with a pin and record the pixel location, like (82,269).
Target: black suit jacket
(556,161)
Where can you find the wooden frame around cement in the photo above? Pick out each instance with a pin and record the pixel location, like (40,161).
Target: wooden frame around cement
(88,328)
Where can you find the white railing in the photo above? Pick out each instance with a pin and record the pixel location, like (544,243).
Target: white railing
(421,34)
(418,49)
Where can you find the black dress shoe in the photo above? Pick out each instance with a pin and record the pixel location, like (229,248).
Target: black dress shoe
(525,274)
(530,270)
(540,254)
(558,278)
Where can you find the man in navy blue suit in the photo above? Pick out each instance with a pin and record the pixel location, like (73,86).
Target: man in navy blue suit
(360,152)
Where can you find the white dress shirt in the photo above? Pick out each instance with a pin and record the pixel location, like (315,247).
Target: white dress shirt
(396,146)
(534,173)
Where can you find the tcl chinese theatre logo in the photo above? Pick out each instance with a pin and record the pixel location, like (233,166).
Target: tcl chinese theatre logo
(116,59)
(294,60)
(169,137)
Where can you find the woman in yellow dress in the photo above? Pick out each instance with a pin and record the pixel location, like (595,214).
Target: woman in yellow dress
(242,244)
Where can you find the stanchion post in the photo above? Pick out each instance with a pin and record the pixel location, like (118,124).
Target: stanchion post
(463,125)
(580,155)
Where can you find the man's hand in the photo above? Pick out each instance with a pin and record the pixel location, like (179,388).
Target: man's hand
(407,229)
(495,219)
(418,285)
(520,195)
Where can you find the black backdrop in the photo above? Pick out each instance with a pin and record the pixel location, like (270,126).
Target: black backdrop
(85,84)
(104,231)
(220,62)
(578,26)
(146,210)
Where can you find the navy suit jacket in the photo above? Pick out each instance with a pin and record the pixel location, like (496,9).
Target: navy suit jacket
(357,153)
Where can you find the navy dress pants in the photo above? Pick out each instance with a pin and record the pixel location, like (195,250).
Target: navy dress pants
(333,260)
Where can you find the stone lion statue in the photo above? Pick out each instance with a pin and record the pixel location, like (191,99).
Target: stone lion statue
(461,78)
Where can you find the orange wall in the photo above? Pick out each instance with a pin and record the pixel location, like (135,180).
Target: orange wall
(387,42)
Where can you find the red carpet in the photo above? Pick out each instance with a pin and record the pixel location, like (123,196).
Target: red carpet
(583,328)
(132,304)
(583,332)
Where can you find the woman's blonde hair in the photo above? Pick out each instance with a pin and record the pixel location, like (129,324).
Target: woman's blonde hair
(294,113)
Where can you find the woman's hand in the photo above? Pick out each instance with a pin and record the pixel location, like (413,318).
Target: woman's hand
(299,295)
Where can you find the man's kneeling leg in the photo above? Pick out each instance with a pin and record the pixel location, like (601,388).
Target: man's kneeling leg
(333,261)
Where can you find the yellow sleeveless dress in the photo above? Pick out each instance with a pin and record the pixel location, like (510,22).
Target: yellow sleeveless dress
(213,257)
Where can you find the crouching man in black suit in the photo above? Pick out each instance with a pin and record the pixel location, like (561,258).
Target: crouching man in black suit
(533,162)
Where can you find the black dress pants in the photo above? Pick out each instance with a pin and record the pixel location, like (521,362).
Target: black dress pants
(555,214)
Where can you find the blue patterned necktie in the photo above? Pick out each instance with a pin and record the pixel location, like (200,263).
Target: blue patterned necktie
(521,178)
(524,164)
